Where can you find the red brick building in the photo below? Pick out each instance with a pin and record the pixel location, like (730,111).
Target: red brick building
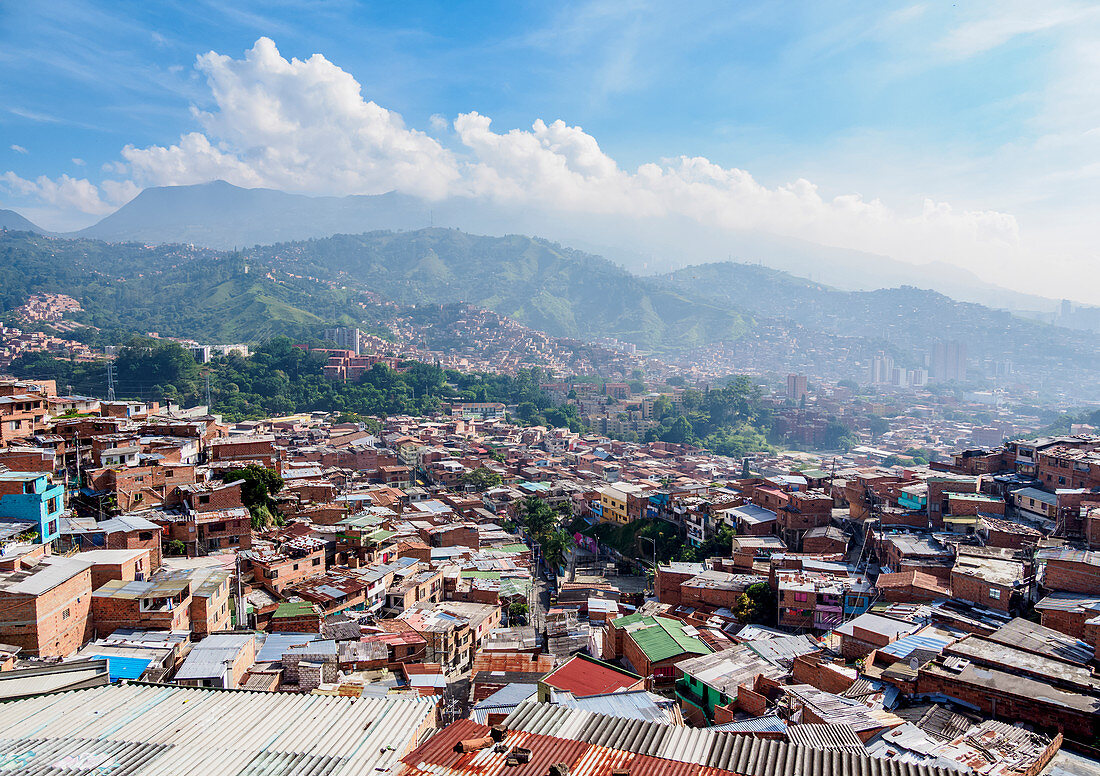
(47,608)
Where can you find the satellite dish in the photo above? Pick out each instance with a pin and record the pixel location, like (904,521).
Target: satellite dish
(914,663)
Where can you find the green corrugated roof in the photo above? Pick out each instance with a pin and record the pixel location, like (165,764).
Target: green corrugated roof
(517,547)
(294,609)
(661,638)
(511,587)
(381,535)
(474,574)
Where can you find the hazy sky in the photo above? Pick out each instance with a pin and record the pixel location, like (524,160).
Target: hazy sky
(966,132)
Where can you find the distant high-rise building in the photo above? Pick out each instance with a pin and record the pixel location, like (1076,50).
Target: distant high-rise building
(345,339)
(918,378)
(882,369)
(796,387)
(949,361)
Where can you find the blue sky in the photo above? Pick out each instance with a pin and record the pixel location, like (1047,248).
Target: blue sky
(971,129)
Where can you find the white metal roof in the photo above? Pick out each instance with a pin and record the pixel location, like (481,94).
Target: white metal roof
(136,730)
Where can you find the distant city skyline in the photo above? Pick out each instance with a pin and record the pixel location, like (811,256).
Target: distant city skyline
(916,131)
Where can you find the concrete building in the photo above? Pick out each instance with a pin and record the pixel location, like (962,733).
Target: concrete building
(32,497)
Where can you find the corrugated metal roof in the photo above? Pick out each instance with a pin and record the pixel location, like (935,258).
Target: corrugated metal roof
(754,725)
(135,730)
(782,651)
(637,704)
(125,667)
(1032,637)
(695,747)
(905,646)
(825,736)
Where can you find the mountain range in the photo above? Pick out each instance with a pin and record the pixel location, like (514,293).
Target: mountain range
(298,287)
(222,216)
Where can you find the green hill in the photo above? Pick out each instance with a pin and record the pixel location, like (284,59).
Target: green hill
(175,291)
(543,285)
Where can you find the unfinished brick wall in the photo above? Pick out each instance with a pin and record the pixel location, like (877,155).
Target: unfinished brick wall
(1072,577)
(977,590)
(814,671)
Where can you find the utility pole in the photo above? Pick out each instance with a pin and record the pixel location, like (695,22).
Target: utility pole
(110,381)
(209,407)
(242,605)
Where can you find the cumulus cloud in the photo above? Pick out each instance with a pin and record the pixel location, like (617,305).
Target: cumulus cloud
(70,193)
(305,126)
(296,124)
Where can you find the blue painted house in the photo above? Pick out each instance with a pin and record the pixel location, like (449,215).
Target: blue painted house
(32,497)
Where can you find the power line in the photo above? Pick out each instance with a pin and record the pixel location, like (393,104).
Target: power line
(110,381)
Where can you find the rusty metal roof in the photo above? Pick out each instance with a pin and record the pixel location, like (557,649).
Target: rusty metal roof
(695,751)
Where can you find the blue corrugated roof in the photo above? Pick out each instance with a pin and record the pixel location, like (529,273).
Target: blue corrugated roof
(754,725)
(904,647)
(124,667)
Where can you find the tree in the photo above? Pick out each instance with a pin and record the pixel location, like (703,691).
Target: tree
(542,523)
(259,487)
(555,545)
(537,517)
(175,547)
(481,478)
(517,612)
(680,432)
(757,605)
(877,426)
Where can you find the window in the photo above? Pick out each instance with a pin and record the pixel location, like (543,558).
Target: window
(800,597)
(145,536)
(316,561)
(995,594)
(204,499)
(65,613)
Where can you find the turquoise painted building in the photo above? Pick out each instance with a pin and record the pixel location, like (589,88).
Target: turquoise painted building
(32,497)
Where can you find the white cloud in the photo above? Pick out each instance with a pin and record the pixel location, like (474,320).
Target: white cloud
(70,193)
(18,149)
(78,161)
(997,25)
(300,125)
(304,125)
(62,192)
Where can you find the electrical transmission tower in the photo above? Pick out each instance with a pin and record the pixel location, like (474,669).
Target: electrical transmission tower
(209,407)
(110,381)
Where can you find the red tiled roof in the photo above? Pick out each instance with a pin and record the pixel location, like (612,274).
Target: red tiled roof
(583,676)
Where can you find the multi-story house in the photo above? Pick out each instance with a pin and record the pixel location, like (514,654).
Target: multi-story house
(34,498)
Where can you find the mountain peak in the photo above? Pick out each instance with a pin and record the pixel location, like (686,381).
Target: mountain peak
(11,220)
